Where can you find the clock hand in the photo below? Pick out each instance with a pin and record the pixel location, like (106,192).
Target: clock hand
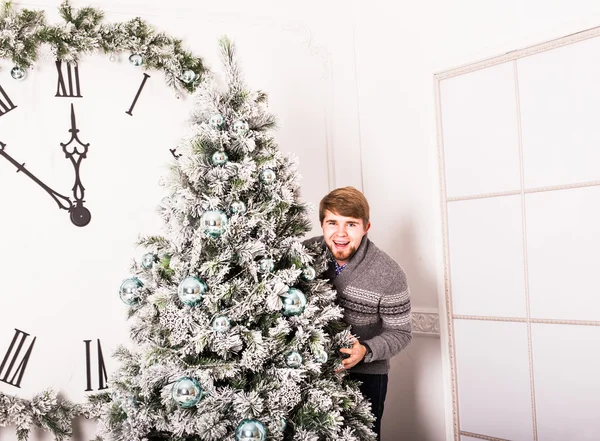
(63,201)
(80,215)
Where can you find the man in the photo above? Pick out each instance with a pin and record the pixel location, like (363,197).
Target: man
(371,288)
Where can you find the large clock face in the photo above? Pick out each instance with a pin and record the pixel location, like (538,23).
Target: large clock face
(100,138)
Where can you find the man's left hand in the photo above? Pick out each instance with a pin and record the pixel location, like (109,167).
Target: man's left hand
(357,352)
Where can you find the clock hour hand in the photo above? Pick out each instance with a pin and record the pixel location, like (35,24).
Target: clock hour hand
(76,151)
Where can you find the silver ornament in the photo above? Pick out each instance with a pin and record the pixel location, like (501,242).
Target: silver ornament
(216,121)
(265,265)
(136,59)
(240,127)
(320,356)
(219,157)
(131,290)
(187,76)
(267,176)
(293,359)
(282,424)
(251,430)
(18,73)
(214,223)
(238,207)
(191,290)
(186,392)
(308,273)
(221,324)
(294,302)
(148,260)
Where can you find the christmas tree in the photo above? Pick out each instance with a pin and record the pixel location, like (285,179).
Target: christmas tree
(235,335)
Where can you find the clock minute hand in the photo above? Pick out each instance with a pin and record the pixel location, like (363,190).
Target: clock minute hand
(63,201)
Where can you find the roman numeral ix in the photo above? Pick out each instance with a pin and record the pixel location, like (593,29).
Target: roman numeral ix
(8,373)
(102,377)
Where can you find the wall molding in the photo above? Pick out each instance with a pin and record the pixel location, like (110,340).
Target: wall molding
(425,322)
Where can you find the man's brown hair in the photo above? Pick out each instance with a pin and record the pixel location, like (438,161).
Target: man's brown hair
(345,201)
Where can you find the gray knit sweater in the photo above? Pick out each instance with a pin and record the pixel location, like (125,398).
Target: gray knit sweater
(375,296)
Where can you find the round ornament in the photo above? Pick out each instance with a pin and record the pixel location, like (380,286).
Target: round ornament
(267,176)
(136,60)
(240,127)
(321,356)
(265,265)
(214,223)
(308,273)
(190,290)
(219,158)
(238,207)
(148,260)
(216,120)
(293,359)
(282,424)
(18,73)
(187,76)
(294,302)
(131,290)
(221,324)
(251,430)
(186,392)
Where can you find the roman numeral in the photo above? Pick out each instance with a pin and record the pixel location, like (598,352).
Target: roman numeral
(71,89)
(102,377)
(11,357)
(137,95)
(6,105)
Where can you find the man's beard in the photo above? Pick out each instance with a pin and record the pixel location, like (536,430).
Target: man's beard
(344,254)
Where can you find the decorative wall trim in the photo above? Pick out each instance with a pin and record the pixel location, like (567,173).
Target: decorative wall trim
(426,323)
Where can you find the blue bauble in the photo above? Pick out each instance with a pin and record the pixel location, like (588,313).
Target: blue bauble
(219,158)
(308,273)
(251,430)
(186,392)
(18,73)
(148,260)
(131,290)
(267,176)
(216,120)
(191,290)
(188,75)
(214,223)
(265,265)
(240,127)
(294,302)
(282,424)
(221,324)
(136,60)
(293,359)
(320,356)
(237,207)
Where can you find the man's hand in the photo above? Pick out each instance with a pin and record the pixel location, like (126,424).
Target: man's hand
(356,353)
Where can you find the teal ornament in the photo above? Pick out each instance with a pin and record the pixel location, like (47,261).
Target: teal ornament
(241,127)
(131,290)
(214,223)
(282,424)
(294,302)
(265,266)
(148,260)
(136,60)
(321,356)
(18,73)
(219,158)
(221,324)
(251,430)
(188,76)
(216,121)
(186,392)
(237,207)
(308,273)
(191,290)
(267,176)
(293,359)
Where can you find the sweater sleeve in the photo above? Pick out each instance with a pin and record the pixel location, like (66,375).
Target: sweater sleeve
(395,315)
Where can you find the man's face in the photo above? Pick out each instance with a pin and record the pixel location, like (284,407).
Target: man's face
(343,235)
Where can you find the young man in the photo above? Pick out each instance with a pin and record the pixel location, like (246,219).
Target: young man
(371,288)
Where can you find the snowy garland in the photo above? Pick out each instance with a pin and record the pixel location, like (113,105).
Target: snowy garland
(24,31)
